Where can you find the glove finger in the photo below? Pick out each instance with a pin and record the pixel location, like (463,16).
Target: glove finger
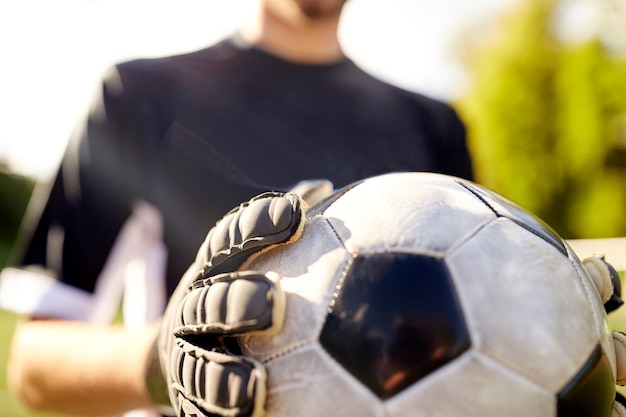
(606,280)
(266,220)
(619,343)
(233,303)
(213,383)
(313,191)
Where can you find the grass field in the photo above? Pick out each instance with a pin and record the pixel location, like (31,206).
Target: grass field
(8,407)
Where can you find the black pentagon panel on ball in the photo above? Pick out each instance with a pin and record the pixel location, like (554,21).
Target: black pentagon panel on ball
(394,319)
(505,208)
(591,392)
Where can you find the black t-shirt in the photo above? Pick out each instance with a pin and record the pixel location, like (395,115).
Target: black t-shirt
(196,134)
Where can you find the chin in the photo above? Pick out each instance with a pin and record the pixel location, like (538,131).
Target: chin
(320,9)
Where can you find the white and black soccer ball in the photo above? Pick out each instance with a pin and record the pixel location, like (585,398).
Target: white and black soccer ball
(416,294)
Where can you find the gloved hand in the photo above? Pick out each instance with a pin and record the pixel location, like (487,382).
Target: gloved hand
(194,358)
(609,287)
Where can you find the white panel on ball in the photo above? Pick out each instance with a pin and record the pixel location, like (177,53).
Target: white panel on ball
(417,213)
(472,386)
(524,303)
(308,383)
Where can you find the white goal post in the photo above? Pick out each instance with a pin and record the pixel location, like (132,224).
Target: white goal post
(613,249)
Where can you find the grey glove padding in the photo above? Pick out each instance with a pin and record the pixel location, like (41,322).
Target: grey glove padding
(232,303)
(204,374)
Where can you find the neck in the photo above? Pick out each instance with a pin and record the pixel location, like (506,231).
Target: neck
(293,36)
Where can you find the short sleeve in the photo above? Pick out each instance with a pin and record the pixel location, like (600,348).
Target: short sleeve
(72,221)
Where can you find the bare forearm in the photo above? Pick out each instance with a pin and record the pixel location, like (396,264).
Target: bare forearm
(79,368)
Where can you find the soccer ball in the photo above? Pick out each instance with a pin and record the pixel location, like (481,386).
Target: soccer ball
(418,294)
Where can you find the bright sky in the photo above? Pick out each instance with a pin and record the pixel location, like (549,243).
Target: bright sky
(53,53)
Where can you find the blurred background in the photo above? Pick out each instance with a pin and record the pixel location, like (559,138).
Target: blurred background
(540,84)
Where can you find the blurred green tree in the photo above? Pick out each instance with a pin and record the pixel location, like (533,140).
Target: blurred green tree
(547,122)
